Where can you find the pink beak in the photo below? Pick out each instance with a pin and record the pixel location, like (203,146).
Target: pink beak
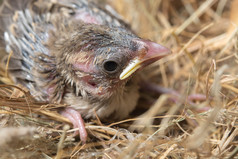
(153,53)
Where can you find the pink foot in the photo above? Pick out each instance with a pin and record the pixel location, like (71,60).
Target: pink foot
(175,96)
(77,121)
(197,97)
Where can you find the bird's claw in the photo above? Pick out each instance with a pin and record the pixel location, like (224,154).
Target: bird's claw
(75,117)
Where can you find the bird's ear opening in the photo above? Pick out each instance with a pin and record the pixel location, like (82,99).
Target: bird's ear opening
(92,86)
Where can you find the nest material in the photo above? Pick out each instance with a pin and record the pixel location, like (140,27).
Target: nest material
(203,39)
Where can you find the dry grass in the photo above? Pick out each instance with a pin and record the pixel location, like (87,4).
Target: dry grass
(203,38)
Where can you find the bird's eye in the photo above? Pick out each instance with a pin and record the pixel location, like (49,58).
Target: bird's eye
(110,66)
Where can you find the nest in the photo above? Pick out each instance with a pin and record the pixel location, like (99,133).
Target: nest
(203,38)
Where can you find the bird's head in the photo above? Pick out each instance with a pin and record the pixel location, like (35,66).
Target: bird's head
(98,60)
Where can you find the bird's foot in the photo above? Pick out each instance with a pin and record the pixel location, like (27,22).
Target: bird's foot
(175,96)
(75,117)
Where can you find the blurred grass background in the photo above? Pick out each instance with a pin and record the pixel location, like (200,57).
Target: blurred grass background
(202,35)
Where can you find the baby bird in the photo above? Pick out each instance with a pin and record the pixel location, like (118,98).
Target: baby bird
(77,53)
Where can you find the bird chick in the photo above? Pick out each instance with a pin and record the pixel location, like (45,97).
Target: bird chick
(74,52)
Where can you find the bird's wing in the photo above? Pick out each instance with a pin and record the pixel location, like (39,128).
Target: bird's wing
(24,31)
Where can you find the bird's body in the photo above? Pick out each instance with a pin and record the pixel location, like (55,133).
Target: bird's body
(74,52)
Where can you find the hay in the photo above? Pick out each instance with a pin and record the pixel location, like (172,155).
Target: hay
(203,38)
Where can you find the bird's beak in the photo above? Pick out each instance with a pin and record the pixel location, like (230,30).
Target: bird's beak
(152,53)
